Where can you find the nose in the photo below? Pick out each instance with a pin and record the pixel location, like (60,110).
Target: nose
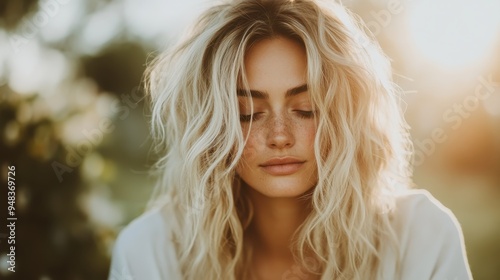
(280,133)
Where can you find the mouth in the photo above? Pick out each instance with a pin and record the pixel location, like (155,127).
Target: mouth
(282,166)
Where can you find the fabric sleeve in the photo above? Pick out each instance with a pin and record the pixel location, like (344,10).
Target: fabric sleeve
(144,250)
(119,269)
(432,244)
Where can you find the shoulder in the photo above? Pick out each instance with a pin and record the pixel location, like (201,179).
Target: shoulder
(144,249)
(418,208)
(431,244)
(139,234)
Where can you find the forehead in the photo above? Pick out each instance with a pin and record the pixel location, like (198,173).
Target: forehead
(275,63)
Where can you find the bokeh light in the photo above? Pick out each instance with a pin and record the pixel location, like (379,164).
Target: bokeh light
(455,33)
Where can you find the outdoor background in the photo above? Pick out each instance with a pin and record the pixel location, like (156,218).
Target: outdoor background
(74,124)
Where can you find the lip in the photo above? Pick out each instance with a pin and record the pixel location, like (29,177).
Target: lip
(282,165)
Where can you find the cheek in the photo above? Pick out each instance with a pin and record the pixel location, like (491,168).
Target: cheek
(307,132)
(311,134)
(251,148)
(249,151)
(248,159)
(253,144)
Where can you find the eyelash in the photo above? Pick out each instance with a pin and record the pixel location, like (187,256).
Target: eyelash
(247,118)
(306,114)
(301,114)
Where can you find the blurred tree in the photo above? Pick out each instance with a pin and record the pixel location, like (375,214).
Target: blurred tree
(12,11)
(67,220)
(54,237)
(118,68)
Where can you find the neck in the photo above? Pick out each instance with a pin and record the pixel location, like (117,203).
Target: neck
(274,222)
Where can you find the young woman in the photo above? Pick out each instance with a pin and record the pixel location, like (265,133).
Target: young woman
(285,157)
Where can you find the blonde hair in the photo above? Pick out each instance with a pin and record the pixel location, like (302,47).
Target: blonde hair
(361,145)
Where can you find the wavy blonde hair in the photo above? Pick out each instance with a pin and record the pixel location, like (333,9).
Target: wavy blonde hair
(361,145)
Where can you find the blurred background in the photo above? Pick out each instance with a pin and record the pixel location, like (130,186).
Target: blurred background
(74,124)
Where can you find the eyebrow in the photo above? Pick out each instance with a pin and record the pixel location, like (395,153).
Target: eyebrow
(264,95)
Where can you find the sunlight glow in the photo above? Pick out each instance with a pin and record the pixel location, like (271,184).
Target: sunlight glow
(455,33)
(100,28)
(37,69)
(154,20)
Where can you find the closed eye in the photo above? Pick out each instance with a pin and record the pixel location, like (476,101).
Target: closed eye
(300,113)
(305,114)
(251,117)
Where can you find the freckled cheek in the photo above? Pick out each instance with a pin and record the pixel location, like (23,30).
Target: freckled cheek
(251,149)
(307,132)
(252,146)
(311,134)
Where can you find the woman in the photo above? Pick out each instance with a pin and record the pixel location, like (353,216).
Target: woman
(286,157)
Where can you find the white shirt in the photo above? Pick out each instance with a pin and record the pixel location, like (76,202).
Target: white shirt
(431,245)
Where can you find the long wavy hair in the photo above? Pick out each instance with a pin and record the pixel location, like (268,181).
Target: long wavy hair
(361,146)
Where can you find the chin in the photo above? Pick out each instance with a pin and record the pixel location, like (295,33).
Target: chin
(282,188)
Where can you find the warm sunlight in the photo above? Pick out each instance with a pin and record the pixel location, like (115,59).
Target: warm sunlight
(454,33)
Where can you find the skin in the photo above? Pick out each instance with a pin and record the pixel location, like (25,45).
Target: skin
(282,126)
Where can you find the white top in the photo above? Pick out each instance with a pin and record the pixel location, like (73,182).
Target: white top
(431,245)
